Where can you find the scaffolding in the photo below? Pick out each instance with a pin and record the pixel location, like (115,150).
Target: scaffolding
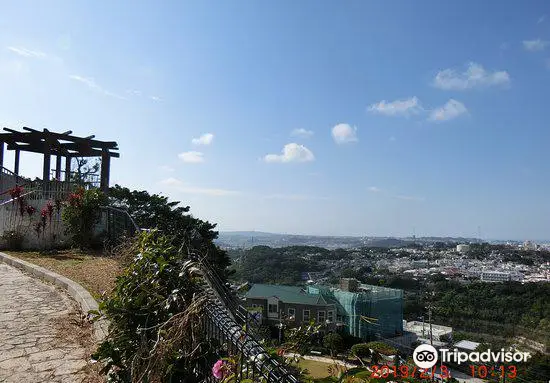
(372,312)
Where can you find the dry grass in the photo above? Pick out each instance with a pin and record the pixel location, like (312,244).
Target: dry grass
(96,273)
(75,329)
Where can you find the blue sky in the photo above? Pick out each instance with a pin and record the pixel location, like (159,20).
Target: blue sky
(343,118)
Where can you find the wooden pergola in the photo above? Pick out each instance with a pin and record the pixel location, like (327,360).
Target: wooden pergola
(60,145)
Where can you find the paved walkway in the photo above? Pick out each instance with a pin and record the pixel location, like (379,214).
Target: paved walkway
(29,349)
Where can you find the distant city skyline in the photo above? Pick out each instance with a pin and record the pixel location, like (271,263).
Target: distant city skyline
(362,118)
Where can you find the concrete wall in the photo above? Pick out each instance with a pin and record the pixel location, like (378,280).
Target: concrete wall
(53,236)
(11,219)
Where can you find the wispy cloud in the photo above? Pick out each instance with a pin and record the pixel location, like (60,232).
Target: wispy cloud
(134,92)
(535,45)
(541,19)
(27,52)
(291,152)
(410,198)
(344,133)
(204,139)
(302,133)
(392,139)
(155,98)
(180,186)
(452,109)
(475,76)
(191,157)
(374,189)
(397,108)
(90,83)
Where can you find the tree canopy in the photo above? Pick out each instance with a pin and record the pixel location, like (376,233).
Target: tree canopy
(153,211)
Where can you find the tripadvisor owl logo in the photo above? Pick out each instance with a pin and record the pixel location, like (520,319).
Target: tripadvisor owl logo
(425,356)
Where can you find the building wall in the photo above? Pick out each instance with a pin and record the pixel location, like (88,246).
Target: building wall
(283,310)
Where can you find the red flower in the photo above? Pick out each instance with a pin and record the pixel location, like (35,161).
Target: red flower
(44,215)
(16,191)
(30,210)
(49,209)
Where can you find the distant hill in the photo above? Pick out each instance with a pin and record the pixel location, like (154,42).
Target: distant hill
(249,239)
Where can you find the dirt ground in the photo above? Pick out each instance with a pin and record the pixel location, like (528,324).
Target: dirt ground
(96,273)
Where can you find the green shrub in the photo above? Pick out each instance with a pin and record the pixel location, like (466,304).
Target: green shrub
(81,214)
(155,315)
(382,348)
(361,350)
(334,342)
(13,239)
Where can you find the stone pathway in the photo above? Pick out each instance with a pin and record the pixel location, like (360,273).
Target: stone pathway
(29,348)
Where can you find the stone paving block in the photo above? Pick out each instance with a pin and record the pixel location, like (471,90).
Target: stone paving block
(28,348)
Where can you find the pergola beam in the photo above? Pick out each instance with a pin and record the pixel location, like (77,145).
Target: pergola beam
(61,145)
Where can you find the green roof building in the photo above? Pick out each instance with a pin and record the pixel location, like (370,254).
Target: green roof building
(365,311)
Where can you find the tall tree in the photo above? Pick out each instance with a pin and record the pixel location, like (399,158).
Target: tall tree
(85,169)
(187,233)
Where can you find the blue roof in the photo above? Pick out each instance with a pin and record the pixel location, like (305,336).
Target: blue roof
(287,294)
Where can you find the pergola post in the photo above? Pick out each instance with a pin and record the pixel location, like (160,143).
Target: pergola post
(68,160)
(105,169)
(16,164)
(58,167)
(2,154)
(47,161)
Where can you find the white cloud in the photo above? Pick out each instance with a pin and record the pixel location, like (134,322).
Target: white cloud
(475,76)
(374,189)
(535,45)
(204,139)
(181,187)
(90,83)
(291,153)
(397,107)
(155,98)
(27,52)
(344,133)
(452,109)
(541,19)
(191,157)
(302,133)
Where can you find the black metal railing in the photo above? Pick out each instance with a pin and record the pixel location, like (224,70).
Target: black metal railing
(228,322)
(118,224)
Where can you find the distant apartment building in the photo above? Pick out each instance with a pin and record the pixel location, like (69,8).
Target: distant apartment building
(500,276)
(364,311)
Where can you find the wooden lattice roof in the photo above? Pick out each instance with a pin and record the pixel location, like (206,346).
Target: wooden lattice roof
(61,144)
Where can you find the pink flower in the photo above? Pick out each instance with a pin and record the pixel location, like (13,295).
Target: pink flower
(218,370)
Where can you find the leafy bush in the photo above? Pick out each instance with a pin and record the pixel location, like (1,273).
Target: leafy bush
(334,342)
(153,211)
(155,317)
(381,348)
(81,215)
(13,239)
(361,350)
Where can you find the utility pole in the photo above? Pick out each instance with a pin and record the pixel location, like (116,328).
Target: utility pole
(430,322)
